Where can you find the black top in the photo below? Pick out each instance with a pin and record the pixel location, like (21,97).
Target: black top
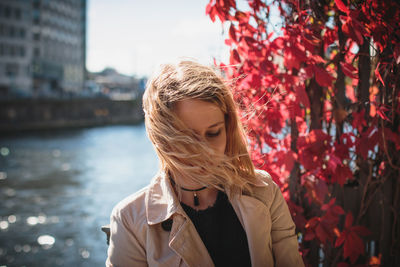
(221,232)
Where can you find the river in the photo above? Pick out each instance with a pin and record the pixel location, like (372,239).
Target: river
(57,188)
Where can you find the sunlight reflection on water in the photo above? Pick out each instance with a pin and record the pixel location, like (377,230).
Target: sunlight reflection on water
(58,187)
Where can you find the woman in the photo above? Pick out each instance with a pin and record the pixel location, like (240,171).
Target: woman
(207,205)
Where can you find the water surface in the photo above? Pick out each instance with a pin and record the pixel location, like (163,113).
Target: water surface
(58,187)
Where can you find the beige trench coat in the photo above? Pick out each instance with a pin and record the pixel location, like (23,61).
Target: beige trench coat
(138,238)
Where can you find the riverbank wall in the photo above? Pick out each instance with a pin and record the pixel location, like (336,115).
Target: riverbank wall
(44,114)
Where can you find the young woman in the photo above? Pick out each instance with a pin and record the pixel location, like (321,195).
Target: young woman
(207,206)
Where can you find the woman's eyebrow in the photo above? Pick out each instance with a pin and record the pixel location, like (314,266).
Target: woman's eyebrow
(216,124)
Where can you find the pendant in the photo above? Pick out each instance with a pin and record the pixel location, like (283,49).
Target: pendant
(195,199)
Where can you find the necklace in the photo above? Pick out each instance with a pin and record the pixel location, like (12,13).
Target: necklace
(195,197)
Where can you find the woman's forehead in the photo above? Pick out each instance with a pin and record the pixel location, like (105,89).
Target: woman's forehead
(199,115)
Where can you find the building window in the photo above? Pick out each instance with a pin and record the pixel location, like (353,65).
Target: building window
(11,69)
(36,52)
(12,50)
(17,13)
(36,16)
(11,31)
(36,36)
(36,4)
(22,51)
(22,33)
(7,11)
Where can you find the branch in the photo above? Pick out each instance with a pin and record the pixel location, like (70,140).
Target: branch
(386,149)
(364,207)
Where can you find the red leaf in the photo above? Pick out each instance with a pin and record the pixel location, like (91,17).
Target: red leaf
(302,96)
(349,220)
(249,41)
(359,120)
(395,138)
(322,77)
(312,222)
(342,174)
(329,204)
(349,70)
(340,240)
(302,125)
(241,17)
(369,139)
(353,247)
(322,189)
(355,31)
(338,210)
(378,75)
(353,244)
(381,112)
(309,236)
(252,81)
(278,43)
(341,6)
(312,148)
(290,60)
(232,33)
(332,214)
(211,10)
(320,229)
(235,58)
(322,233)
(318,59)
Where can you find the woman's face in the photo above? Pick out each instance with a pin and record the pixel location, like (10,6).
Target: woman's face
(206,119)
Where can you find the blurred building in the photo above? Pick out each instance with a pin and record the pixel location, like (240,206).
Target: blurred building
(42,47)
(115,85)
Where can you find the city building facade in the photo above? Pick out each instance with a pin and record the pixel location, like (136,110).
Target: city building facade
(42,47)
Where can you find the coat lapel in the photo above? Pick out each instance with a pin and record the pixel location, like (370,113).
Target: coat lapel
(186,242)
(161,205)
(256,221)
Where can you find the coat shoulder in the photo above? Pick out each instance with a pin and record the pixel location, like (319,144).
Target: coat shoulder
(267,190)
(132,208)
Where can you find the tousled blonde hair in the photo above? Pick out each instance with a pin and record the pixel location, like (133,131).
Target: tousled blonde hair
(180,150)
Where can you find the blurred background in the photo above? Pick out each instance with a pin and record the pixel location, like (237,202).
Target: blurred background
(72,139)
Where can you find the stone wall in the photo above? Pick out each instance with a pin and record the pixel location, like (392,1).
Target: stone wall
(31,114)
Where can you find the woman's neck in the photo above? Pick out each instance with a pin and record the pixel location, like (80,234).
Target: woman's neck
(199,199)
(206,198)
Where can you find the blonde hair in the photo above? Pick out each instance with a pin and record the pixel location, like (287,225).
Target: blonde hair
(180,150)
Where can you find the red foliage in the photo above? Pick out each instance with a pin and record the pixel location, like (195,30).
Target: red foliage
(315,112)
(324,228)
(353,244)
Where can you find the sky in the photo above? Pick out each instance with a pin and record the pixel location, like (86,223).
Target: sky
(136,36)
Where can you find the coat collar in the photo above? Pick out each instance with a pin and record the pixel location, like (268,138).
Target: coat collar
(161,205)
(162,202)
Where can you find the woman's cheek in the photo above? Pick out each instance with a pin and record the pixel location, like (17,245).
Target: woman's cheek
(220,143)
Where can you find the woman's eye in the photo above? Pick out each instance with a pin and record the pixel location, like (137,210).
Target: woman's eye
(213,134)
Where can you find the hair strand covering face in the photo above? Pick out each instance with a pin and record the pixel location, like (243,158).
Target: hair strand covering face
(180,150)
